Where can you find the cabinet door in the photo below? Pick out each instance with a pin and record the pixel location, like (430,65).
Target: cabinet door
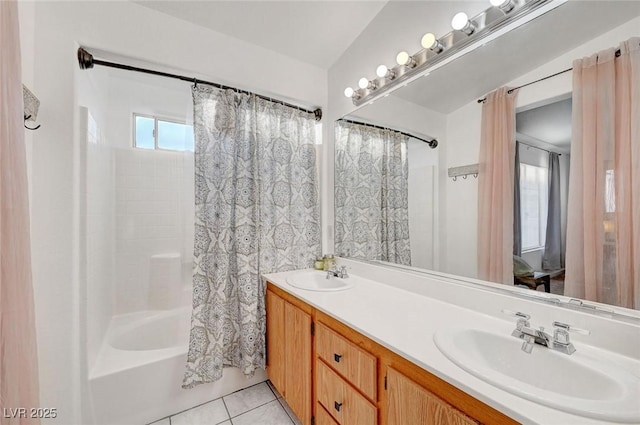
(410,404)
(276,341)
(297,356)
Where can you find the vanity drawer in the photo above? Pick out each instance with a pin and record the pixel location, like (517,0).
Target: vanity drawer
(354,364)
(347,405)
(322,417)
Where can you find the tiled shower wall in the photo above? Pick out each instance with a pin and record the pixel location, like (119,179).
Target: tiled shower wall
(154,204)
(100,223)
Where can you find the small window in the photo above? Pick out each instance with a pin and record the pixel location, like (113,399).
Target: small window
(157,133)
(534,196)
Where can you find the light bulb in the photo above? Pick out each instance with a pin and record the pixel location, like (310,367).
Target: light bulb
(348,92)
(363,83)
(429,41)
(504,5)
(461,22)
(383,72)
(402,58)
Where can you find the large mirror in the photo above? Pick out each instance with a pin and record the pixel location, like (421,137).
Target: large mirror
(395,199)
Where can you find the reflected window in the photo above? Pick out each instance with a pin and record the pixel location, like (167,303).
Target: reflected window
(534,196)
(156,133)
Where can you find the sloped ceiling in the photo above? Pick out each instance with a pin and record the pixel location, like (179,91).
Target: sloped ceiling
(316,32)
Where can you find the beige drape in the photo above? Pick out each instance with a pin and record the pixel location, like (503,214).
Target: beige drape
(18,362)
(603,233)
(495,187)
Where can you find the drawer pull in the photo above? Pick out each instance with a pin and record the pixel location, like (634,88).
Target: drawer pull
(337,357)
(337,405)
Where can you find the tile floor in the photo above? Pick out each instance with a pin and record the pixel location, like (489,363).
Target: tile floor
(260,404)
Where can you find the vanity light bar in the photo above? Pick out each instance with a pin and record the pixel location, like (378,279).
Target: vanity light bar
(468,32)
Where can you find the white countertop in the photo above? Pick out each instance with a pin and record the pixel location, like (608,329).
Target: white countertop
(405,322)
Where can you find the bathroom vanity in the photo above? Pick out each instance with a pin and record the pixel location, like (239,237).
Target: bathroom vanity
(369,355)
(327,371)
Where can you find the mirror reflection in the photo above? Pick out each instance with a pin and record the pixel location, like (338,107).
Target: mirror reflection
(395,201)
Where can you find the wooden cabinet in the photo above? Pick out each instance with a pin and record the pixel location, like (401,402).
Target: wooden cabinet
(275,340)
(289,356)
(409,403)
(346,404)
(297,355)
(351,362)
(341,377)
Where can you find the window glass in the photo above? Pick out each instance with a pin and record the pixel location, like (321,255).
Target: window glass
(144,131)
(154,133)
(609,192)
(534,196)
(175,136)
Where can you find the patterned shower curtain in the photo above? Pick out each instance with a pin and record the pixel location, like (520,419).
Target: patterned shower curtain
(257,211)
(371,194)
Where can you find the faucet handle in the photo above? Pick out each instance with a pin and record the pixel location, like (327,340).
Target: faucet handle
(524,316)
(523,319)
(343,272)
(569,328)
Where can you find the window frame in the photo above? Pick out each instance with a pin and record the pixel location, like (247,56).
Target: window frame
(157,118)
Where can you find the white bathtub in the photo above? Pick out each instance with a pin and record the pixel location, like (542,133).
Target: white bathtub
(137,375)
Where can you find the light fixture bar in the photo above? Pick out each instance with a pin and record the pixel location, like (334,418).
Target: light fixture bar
(489,24)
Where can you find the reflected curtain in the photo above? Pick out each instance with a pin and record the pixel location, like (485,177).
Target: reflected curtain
(603,233)
(18,353)
(517,218)
(371,194)
(495,187)
(552,257)
(257,211)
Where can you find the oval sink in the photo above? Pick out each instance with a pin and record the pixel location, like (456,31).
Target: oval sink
(580,383)
(314,280)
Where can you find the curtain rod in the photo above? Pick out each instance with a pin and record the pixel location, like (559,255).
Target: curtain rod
(432,143)
(536,147)
(532,82)
(86,61)
(541,79)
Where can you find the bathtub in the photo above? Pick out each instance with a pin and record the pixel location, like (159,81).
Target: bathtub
(137,375)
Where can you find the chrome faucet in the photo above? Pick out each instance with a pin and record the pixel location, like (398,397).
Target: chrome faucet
(342,273)
(559,342)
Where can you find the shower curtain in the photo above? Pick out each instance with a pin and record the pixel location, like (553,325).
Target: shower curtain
(371,194)
(495,187)
(18,353)
(257,211)
(603,232)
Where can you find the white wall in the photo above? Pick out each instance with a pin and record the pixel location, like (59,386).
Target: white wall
(422,182)
(128,29)
(459,239)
